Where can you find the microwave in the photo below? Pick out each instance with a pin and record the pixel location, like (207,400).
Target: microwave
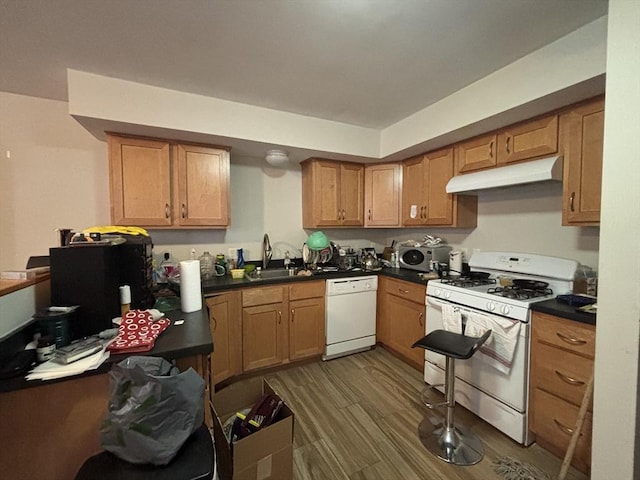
(419,258)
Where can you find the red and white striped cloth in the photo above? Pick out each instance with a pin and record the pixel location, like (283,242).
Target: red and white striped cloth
(138,332)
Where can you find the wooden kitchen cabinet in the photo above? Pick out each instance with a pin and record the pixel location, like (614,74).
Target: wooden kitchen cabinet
(225,316)
(332,194)
(156,183)
(382,195)
(425,200)
(527,140)
(402,318)
(307,319)
(264,327)
(562,358)
(476,154)
(582,139)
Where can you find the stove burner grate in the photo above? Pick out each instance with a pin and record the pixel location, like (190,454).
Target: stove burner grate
(519,293)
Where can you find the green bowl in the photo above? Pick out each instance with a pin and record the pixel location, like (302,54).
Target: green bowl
(317,241)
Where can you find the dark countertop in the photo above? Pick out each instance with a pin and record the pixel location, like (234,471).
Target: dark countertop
(562,310)
(223,283)
(191,338)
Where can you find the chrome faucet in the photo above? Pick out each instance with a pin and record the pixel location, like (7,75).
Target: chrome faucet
(267,252)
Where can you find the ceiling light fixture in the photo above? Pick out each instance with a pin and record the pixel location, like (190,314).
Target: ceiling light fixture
(277,158)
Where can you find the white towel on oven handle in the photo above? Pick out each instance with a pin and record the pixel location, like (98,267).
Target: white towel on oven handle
(500,347)
(451,318)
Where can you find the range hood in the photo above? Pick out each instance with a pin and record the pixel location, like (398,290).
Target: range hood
(527,172)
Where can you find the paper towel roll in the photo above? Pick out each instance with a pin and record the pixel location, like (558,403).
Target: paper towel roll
(125,295)
(190,289)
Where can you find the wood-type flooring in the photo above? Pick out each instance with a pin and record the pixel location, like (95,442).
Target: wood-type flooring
(357,419)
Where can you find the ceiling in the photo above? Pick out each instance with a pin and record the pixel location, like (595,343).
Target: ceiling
(364,62)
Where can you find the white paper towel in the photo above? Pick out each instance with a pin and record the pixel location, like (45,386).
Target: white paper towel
(190,289)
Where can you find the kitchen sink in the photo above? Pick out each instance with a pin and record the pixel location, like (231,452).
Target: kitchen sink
(269,274)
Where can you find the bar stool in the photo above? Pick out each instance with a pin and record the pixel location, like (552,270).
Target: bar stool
(451,443)
(194,461)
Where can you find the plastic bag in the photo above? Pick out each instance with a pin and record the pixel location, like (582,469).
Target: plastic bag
(152,410)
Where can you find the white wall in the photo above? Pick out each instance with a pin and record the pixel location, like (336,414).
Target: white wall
(57,177)
(616,424)
(54,178)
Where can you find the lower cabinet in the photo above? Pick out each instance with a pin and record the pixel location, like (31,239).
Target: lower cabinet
(261,327)
(401,318)
(562,357)
(306,320)
(224,319)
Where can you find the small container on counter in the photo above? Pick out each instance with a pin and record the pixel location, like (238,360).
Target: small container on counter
(45,348)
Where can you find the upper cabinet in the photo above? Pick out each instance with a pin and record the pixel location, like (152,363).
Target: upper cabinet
(382,195)
(527,140)
(476,154)
(155,183)
(425,200)
(332,194)
(582,138)
(516,143)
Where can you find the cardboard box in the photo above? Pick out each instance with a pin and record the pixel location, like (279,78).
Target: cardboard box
(263,455)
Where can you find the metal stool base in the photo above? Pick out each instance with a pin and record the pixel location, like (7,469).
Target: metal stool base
(455,445)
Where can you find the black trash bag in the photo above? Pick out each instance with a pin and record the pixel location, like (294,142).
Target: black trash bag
(153,409)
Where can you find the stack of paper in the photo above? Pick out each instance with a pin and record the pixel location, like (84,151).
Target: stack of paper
(50,369)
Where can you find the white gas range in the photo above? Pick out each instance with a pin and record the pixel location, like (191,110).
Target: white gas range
(494,383)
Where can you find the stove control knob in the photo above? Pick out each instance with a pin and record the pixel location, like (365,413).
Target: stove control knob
(505,309)
(437,292)
(491,306)
(447,295)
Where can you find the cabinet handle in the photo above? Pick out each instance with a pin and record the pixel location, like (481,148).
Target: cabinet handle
(491,149)
(184,211)
(279,317)
(420,319)
(569,380)
(570,340)
(293,312)
(215,324)
(571,199)
(506,142)
(563,428)
(369,214)
(343,213)
(403,291)
(422,212)
(166,210)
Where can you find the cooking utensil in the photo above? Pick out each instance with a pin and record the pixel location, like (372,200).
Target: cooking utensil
(530,284)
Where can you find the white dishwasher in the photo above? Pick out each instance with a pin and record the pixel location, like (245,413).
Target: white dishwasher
(350,315)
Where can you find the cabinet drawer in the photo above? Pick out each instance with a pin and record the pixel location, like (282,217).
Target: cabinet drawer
(555,421)
(567,334)
(298,291)
(560,372)
(262,296)
(410,291)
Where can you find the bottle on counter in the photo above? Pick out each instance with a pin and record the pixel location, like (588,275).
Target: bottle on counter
(167,268)
(207,265)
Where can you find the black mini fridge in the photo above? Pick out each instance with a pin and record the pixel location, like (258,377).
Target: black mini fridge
(91,275)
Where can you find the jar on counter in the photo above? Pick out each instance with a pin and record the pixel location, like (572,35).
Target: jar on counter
(585,281)
(46,348)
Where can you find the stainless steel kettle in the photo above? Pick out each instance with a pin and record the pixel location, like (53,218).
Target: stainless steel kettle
(370,261)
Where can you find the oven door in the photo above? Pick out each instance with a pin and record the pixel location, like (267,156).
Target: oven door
(512,388)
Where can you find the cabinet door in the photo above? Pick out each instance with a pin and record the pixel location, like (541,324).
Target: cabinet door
(263,336)
(306,328)
(476,154)
(582,137)
(439,170)
(382,186)
(202,179)
(405,325)
(414,202)
(140,181)
(325,193)
(224,320)
(351,194)
(528,140)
